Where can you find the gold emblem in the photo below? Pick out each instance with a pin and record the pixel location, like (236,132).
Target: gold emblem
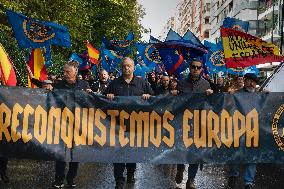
(152,54)
(36,32)
(238,69)
(121,44)
(238,27)
(217,58)
(278,133)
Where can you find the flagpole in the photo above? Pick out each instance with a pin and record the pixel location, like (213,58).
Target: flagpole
(281,25)
(150,35)
(272,21)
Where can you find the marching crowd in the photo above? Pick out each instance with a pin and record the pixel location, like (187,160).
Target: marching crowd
(130,85)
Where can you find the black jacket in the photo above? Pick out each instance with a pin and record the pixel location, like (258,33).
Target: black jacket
(78,85)
(136,87)
(161,90)
(99,87)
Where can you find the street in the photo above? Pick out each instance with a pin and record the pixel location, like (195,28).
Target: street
(39,174)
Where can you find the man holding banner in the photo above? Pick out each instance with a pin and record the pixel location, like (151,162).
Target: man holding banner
(193,84)
(70,81)
(250,81)
(127,85)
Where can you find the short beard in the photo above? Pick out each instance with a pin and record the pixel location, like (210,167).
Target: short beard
(195,77)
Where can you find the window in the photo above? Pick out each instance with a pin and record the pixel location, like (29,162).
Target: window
(206,20)
(206,34)
(208,7)
(231,6)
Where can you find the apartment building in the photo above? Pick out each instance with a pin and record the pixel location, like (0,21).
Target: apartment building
(171,24)
(194,15)
(241,9)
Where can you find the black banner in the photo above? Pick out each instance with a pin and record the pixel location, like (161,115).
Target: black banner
(76,126)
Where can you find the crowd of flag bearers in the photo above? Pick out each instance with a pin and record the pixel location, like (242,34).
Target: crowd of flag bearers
(172,67)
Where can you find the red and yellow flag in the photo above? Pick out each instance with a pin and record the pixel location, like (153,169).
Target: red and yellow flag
(8,75)
(37,67)
(244,50)
(93,54)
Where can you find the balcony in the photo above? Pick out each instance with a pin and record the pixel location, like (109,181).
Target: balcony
(267,14)
(205,27)
(241,6)
(264,6)
(267,35)
(206,14)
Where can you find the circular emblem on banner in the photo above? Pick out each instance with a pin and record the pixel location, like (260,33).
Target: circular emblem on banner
(277,129)
(238,69)
(121,44)
(152,54)
(217,58)
(238,27)
(36,32)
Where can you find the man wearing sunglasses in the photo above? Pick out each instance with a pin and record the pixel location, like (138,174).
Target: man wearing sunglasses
(193,84)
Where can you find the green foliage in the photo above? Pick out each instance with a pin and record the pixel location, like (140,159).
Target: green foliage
(86,20)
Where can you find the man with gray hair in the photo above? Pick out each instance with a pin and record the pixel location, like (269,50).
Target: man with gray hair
(70,82)
(127,85)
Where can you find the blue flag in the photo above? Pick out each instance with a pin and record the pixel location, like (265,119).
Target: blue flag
(173,36)
(189,37)
(215,61)
(160,68)
(32,33)
(47,56)
(154,40)
(141,70)
(177,52)
(130,36)
(110,61)
(121,47)
(174,40)
(83,64)
(236,24)
(148,54)
(175,60)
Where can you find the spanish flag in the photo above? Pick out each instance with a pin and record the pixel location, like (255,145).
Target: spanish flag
(93,54)
(244,50)
(8,75)
(37,67)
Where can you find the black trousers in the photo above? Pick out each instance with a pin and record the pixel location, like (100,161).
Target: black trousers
(60,170)
(192,170)
(3,164)
(119,169)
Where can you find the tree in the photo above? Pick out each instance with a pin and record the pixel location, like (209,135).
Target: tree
(87,20)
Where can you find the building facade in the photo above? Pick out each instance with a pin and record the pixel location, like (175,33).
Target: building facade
(171,24)
(269,19)
(269,29)
(194,15)
(245,10)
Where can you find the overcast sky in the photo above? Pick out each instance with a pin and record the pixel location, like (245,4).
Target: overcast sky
(157,14)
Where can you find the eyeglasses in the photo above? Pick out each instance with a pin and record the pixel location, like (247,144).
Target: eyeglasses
(195,67)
